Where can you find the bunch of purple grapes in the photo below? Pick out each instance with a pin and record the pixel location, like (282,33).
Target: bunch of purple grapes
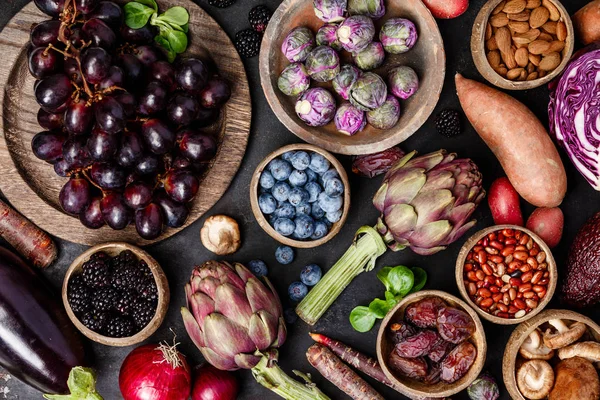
(121,122)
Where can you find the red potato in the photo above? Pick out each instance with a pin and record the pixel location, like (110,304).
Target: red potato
(548,224)
(447,9)
(587,22)
(519,141)
(503,200)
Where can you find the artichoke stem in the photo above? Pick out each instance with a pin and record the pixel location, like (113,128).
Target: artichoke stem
(276,380)
(361,256)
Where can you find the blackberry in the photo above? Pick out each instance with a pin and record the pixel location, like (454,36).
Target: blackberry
(78,295)
(95,321)
(119,327)
(447,123)
(221,3)
(259,17)
(100,256)
(126,277)
(124,302)
(126,257)
(247,42)
(104,299)
(142,313)
(147,289)
(96,273)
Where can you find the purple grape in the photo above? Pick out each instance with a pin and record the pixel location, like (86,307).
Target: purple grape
(114,211)
(182,109)
(206,117)
(115,77)
(75,195)
(110,116)
(181,185)
(138,195)
(149,221)
(192,75)
(158,136)
(75,153)
(215,93)
(50,121)
(52,8)
(108,12)
(148,54)
(102,146)
(153,100)
(86,6)
(71,68)
(144,35)
(131,150)
(99,33)
(76,37)
(133,69)
(43,63)
(44,33)
(128,102)
(62,168)
(163,72)
(147,165)
(108,176)
(175,214)
(197,147)
(95,64)
(91,216)
(79,117)
(48,146)
(53,92)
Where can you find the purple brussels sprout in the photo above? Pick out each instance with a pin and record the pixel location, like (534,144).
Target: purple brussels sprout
(323,64)
(297,44)
(484,388)
(368,92)
(326,36)
(330,10)
(293,80)
(343,82)
(371,57)
(371,8)
(386,116)
(349,119)
(398,35)
(356,32)
(316,107)
(403,81)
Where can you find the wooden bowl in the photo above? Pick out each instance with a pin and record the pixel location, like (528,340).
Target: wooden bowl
(462,256)
(31,185)
(427,58)
(112,249)
(413,388)
(522,332)
(262,220)
(483,66)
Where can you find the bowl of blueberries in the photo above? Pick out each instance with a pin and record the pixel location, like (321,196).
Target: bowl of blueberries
(300,195)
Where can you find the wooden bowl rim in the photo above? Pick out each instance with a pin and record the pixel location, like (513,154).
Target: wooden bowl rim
(376,144)
(161,284)
(483,66)
(262,221)
(452,388)
(522,332)
(460,261)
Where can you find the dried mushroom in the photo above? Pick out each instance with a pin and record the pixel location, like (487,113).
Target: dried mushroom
(535,379)
(564,335)
(576,379)
(221,235)
(533,348)
(588,350)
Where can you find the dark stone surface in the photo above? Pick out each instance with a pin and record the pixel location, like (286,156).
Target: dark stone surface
(180,253)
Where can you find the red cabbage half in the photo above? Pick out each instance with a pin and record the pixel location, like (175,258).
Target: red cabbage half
(574,112)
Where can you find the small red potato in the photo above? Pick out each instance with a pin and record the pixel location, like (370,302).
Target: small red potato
(503,200)
(547,223)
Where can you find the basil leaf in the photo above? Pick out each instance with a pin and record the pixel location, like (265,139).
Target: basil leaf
(379,308)
(164,43)
(401,279)
(420,277)
(175,16)
(137,15)
(150,3)
(362,319)
(178,41)
(382,275)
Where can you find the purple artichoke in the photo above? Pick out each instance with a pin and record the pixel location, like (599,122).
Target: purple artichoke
(386,116)
(371,8)
(293,80)
(330,10)
(356,32)
(316,107)
(349,119)
(398,35)
(297,44)
(370,57)
(343,82)
(368,92)
(323,64)
(403,81)
(326,36)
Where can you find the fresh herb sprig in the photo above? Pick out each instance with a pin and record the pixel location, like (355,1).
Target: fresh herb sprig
(172,24)
(399,281)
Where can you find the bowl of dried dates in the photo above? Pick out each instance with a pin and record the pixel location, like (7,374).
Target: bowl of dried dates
(506,273)
(431,344)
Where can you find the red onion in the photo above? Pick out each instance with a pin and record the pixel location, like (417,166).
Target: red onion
(211,383)
(154,372)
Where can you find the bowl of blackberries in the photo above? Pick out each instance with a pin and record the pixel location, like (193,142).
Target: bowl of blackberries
(116,294)
(300,195)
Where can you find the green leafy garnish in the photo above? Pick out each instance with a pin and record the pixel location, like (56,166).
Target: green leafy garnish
(399,281)
(173,24)
(81,383)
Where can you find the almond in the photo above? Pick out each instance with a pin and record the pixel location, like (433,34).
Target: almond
(556,46)
(494,58)
(522,16)
(530,67)
(550,62)
(502,71)
(503,39)
(531,4)
(509,59)
(522,57)
(514,73)
(514,6)
(554,13)
(532,76)
(546,36)
(491,44)
(541,73)
(488,31)
(527,37)
(535,59)
(538,46)
(550,27)
(499,20)
(539,17)
(499,7)
(561,31)
(518,27)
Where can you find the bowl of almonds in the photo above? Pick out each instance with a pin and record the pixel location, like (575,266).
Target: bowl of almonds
(522,44)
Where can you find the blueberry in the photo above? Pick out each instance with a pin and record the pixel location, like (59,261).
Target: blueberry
(312,175)
(287,156)
(329,174)
(267,203)
(298,178)
(318,163)
(284,226)
(316,211)
(313,189)
(290,316)
(297,291)
(303,209)
(285,210)
(311,275)
(305,226)
(298,196)
(321,229)
(334,187)
(300,160)
(284,255)
(266,180)
(280,169)
(330,204)
(258,267)
(281,191)
(334,217)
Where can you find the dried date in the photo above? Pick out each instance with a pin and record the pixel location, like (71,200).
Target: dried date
(415,368)
(433,376)
(439,351)
(423,313)
(371,165)
(454,325)
(420,344)
(457,362)
(400,331)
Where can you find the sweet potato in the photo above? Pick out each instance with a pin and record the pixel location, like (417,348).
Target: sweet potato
(586,22)
(504,203)
(518,140)
(547,223)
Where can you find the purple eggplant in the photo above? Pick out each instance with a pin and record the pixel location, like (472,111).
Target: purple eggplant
(38,343)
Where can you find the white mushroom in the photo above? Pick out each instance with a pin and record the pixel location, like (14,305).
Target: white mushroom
(221,235)
(534,349)
(565,335)
(535,379)
(588,350)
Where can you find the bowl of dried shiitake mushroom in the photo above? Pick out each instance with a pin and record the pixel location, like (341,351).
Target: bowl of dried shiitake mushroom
(522,44)
(553,355)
